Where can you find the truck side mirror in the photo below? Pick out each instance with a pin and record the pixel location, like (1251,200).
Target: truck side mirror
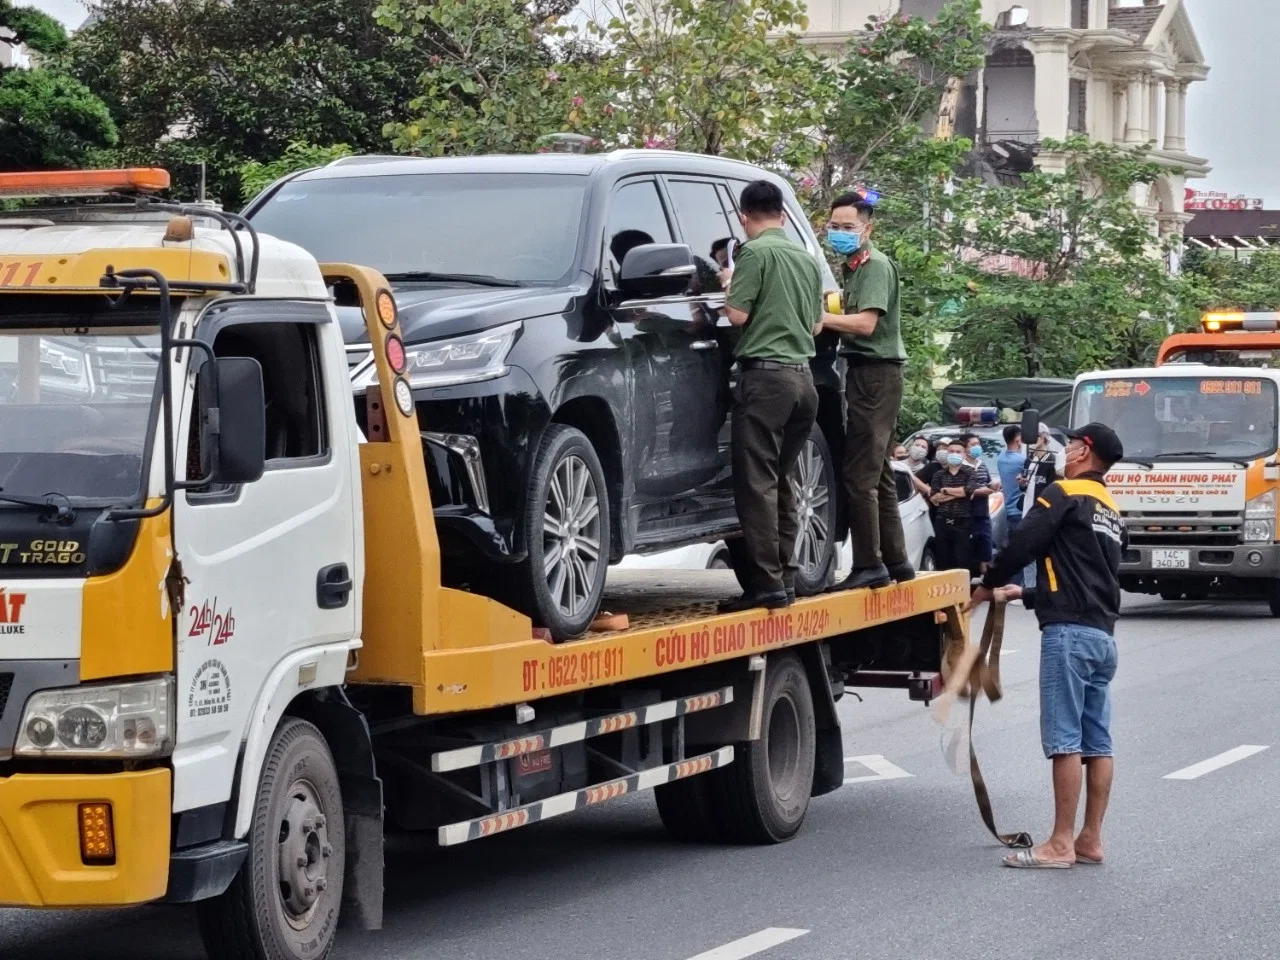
(1030,427)
(235,431)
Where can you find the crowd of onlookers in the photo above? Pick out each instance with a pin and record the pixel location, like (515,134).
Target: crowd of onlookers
(951,474)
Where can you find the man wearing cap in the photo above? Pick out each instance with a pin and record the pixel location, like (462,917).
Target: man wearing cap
(870,331)
(1076,537)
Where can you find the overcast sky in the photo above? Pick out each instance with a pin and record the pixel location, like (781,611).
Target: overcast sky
(1233,118)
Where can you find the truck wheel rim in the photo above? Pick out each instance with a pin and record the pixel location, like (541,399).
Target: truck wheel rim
(784,747)
(571,536)
(303,853)
(812,496)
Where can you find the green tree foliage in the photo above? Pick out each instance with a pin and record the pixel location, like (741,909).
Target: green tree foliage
(227,82)
(256,176)
(493,80)
(48,120)
(1068,274)
(893,80)
(717,77)
(1225,281)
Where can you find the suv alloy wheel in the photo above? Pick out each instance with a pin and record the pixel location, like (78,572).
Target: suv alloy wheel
(567,529)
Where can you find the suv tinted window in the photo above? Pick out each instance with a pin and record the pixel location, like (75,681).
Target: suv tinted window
(522,227)
(636,217)
(702,222)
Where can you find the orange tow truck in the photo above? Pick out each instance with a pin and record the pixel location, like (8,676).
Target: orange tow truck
(226,655)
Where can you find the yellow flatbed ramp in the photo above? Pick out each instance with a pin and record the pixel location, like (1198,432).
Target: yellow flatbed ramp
(673,626)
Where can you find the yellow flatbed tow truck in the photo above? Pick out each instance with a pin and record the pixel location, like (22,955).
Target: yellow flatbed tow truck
(227,661)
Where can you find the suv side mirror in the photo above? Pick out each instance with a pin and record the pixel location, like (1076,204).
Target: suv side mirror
(236,430)
(656,270)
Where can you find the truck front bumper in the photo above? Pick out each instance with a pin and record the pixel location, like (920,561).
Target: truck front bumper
(40,863)
(1245,561)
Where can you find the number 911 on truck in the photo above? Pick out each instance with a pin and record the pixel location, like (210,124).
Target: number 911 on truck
(227,660)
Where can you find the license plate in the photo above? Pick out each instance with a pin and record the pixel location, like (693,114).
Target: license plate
(532,764)
(1170,559)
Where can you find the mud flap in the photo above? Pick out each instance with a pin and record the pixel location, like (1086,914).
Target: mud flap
(828,771)
(362,894)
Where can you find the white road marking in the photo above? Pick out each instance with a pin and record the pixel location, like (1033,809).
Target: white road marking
(1018,650)
(1231,756)
(881,769)
(758,942)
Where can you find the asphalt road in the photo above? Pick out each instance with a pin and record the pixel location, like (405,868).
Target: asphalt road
(895,865)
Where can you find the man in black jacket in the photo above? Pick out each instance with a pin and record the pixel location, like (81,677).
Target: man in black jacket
(1075,535)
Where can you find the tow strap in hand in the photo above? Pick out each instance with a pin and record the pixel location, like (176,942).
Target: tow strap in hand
(981,666)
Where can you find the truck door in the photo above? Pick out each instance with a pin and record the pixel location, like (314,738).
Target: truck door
(257,556)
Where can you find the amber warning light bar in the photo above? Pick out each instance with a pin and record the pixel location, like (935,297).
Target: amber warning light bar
(83,183)
(1245,322)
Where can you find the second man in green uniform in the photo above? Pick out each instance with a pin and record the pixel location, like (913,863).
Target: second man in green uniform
(871,342)
(775,295)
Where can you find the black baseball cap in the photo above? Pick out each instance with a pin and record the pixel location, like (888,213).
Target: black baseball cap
(1102,440)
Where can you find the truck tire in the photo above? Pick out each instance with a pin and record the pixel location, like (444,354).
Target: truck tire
(764,794)
(687,810)
(1273,597)
(284,902)
(814,480)
(566,526)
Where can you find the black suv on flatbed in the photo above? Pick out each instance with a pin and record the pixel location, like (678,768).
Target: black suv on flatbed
(569,360)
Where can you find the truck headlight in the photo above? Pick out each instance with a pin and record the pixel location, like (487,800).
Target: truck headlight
(125,720)
(1260,518)
(442,363)
(1261,508)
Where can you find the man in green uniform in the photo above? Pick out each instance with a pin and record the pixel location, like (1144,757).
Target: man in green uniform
(775,295)
(871,341)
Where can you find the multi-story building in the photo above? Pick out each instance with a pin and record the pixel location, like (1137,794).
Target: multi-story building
(1118,72)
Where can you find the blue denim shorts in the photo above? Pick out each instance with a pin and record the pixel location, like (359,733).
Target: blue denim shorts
(1077,664)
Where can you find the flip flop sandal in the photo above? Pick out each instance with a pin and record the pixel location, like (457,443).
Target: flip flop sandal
(1081,858)
(1026,860)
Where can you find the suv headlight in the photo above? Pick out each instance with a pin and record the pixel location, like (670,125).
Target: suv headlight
(127,720)
(442,363)
(1260,518)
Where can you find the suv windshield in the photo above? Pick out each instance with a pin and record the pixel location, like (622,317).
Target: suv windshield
(1190,416)
(515,227)
(75,409)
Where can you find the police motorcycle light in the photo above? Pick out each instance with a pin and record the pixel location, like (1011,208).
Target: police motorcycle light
(1260,518)
(121,720)
(1220,322)
(440,363)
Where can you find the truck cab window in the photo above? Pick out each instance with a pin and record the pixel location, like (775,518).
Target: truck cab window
(296,430)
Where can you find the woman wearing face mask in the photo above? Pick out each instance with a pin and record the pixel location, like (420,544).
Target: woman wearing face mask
(920,460)
(952,488)
(900,452)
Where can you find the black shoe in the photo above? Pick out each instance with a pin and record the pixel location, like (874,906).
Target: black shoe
(773,600)
(867,577)
(791,595)
(902,572)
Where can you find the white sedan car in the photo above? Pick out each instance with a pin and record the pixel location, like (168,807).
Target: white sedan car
(912,507)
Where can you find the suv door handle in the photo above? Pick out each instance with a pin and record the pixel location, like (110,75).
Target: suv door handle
(333,586)
(704,344)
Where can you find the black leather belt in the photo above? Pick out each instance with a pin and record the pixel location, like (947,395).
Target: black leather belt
(747,363)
